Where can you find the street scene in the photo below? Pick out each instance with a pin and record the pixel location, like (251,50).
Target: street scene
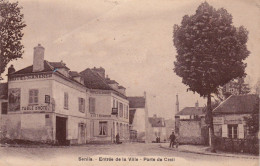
(129,82)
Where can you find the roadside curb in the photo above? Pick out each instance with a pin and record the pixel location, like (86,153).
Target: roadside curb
(212,154)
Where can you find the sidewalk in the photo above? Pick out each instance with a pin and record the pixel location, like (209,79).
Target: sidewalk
(199,149)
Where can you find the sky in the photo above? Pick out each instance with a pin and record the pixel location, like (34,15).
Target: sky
(131,39)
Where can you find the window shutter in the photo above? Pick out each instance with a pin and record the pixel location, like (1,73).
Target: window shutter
(240,131)
(83,109)
(79,104)
(224,130)
(96,128)
(94,105)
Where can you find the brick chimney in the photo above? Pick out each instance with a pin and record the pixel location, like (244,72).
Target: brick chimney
(38,58)
(11,69)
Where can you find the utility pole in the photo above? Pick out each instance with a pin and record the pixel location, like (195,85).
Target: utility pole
(146,120)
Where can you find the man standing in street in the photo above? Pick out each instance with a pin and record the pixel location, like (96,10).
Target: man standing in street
(172,140)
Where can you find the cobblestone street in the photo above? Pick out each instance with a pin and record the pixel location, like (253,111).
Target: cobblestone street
(66,155)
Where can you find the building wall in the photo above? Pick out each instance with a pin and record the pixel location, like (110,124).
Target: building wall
(221,121)
(38,122)
(192,131)
(103,109)
(139,123)
(19,126)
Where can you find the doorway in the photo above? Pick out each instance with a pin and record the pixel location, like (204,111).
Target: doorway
(82,133)
(61,130)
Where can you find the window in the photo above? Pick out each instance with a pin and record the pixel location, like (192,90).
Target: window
(66,100)
(33,96)
(126,111)
(4,107)
(102,128)
(92,104)
(81,105)
(120,109)
(114,103)
(232,131)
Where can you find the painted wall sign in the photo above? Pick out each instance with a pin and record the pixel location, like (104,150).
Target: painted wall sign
(100,115)
(14,99)
(218,120)
(28,77)
(36,108)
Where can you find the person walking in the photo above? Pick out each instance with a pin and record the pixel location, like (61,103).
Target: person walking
(172,140)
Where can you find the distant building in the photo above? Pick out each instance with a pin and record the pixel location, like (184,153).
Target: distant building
(137,118)
(157,128)
(190,125)
(228,117)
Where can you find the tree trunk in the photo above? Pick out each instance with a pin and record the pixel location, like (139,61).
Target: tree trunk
(210,121)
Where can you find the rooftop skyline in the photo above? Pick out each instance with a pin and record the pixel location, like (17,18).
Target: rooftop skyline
(131,40)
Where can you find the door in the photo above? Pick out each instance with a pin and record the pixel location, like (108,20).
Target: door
(61,130)
(82,135)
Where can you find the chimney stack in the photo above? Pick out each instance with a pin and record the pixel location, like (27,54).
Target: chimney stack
(177,104)
(38,58)
(11,69)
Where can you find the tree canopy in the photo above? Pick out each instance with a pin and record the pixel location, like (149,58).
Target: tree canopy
(210,53)
(11,26)
(210,50)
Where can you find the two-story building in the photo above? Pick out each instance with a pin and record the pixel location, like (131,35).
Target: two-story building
(46,103)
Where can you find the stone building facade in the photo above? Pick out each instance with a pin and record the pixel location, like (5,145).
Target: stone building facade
(190,126)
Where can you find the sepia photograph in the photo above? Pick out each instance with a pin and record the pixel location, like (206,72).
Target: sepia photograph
(129,82)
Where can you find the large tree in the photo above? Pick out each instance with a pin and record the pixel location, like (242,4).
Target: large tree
(11,26)
(210,53)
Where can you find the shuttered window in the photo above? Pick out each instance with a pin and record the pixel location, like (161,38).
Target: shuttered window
(92,105)
(120,109)
(81,104)
(126,111)
(33,96)
(66,100)
(102,128)
(232,131)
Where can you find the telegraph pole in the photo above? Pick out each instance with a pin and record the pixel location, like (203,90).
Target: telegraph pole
(146,120)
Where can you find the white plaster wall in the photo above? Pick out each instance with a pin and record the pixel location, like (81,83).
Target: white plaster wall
(61,86)
(139,120)
(43,85)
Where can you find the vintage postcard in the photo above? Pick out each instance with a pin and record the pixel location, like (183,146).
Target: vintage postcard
(129,82)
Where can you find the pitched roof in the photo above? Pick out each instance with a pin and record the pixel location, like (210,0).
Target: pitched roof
(156,121)
(238,104)
(47,68)
(74,74)
(191,111)
(94,81)
(29,69)
(121,87)
(58,65)
(3,90)
(136,102)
